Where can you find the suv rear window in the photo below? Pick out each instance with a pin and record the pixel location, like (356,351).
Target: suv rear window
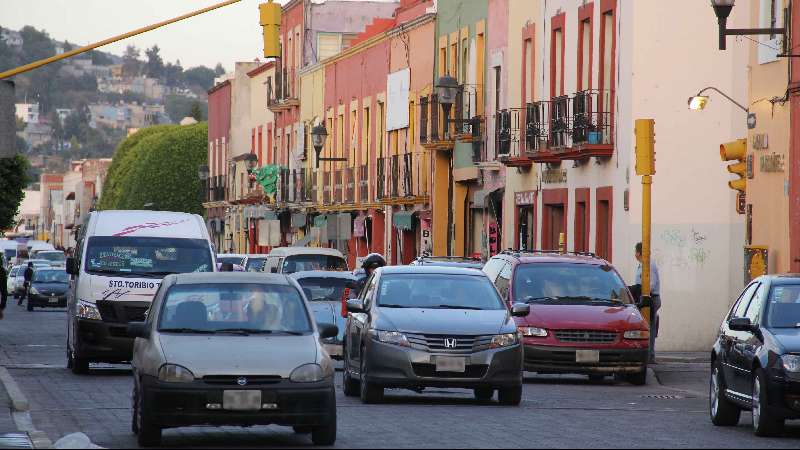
(569,283)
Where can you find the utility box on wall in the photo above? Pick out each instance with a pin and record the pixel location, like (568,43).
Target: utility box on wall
(756,262)
(8,122)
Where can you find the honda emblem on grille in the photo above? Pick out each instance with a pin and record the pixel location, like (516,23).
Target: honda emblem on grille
(242,381)
(450,343)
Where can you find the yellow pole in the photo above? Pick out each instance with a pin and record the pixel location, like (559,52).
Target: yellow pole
(562,242)
(78,51)
(647,183)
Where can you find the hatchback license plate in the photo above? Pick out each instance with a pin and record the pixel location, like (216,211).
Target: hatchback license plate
(452,365)
(587,356)
(241,400)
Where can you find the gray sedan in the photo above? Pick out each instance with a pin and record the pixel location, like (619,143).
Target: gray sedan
(420,327)
(234,349)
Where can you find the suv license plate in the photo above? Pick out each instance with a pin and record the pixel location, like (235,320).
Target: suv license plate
(452,365)
(241,400)
(587,356)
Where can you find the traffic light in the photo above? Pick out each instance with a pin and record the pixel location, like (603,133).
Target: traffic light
(645,147)
(736,151)
(271,22)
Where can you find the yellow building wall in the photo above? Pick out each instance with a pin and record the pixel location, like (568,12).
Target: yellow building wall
(441,188)
(312,108)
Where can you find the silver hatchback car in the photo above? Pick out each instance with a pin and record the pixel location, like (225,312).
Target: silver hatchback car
(232,349)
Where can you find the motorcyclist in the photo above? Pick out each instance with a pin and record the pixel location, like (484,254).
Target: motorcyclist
(372,262)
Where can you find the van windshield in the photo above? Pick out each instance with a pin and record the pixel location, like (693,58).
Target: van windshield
(569,283)
(147,256)
(305,263)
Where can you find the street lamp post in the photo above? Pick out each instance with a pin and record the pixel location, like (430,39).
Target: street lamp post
(203,174)
(723,8)
(447,90)
(318,136)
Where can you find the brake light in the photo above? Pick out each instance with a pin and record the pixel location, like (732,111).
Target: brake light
(345,297)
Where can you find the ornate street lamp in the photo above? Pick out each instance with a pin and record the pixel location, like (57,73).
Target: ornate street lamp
(318,136)
(723,8)
(447,90)
(203,173)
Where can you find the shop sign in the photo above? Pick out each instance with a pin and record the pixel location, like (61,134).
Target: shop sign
(741,203)
(756,262)
(525,198)
(426,241)
(760,141)
(554,176)
(773,163)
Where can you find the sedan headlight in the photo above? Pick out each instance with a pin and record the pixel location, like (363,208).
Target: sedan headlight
(791,363)
(309,373)
(34,291)
(638,335)
(391,338)
(88,310)
(533,332)
(171,373)
(505,340)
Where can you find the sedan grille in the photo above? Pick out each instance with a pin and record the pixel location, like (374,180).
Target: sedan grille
(444,343)
(429,371)
(231,380)
(586,336)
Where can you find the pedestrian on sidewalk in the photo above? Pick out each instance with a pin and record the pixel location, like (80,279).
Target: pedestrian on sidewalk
(655,298)
(3,287)
(28,276)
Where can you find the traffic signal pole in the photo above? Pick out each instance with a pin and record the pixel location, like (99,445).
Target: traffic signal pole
(646,168)
(78,51)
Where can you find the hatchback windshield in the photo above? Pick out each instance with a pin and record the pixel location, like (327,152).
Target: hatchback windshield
(784,307)
(569,283)
(50,276)
(326,289)
(147,256)
(238,309)
(306,263)
(52,256)
(435,291)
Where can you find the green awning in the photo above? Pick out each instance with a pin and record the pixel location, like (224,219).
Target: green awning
(320,221)
(403,220)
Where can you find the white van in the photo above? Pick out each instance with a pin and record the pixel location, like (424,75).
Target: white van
(120,259)
(288,260)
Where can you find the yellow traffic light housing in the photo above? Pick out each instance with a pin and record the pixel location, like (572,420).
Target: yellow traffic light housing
(736,151)
(271,22)
(645,147)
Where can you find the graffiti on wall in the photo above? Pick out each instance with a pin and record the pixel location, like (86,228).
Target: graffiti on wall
(681,249)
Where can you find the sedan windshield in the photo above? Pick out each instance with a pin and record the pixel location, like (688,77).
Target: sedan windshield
(306,263)
(140,256)
(569,283)
(52,256)
(435,291)
(50,276)
(784,307)
(235,260)
(238,309)
(326,289)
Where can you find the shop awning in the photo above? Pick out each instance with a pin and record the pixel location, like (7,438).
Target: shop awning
(403,220)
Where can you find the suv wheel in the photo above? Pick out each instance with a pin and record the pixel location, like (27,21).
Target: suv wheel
(510,396)
(764,424)
(723,412)
(370,393)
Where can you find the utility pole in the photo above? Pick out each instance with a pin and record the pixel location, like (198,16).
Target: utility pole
(8,122)
(646,168)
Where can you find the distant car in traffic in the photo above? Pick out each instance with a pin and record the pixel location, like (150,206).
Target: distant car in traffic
(327,293)
(583,318)
(233,258)
(55,258)
(255,263)
(756,358)
(448,261)
(49,289)
(11,282)
(232,350)
(422,327)
(289,260)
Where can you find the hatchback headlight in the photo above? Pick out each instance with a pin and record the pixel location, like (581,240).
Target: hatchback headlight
(505,340)
(309,373)
(391,337)
(791,363)
(638,335)
(171,373)
(533,332)
(88,310)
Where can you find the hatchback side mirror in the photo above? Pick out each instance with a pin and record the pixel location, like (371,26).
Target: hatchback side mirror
(139,330)
(520,310)
(355,306)
(742,324)
(72,266)
(327,331)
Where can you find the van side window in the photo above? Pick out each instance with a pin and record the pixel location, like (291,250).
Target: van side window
(504,280)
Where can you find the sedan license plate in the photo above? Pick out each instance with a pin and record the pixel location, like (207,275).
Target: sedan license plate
(241,400)
(452,365)
(53,300)
(587,356)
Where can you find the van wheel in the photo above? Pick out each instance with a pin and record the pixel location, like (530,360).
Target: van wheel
(723,412)
(764,424)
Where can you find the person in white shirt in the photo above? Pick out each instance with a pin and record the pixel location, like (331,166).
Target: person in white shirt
(655,296)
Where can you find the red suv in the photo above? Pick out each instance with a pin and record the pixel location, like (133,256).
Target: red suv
(583,318)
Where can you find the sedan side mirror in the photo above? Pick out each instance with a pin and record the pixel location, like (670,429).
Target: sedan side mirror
(742,324)
(520,310)
(72,266)
(139,330)
(355,306)
(327,331)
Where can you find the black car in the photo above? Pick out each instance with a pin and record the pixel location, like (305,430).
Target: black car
(756,359)
(448,261)
(48,289)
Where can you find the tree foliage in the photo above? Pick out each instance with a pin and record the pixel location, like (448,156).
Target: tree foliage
(154,67)
(178,107)
(13,179)
(158,165)
(131,66)
(201,77)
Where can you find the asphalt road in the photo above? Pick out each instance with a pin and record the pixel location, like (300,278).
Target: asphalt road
(556,412)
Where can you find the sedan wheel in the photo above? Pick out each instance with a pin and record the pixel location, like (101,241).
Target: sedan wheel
(723,412)
(370,393)
(764,424)
(350,386)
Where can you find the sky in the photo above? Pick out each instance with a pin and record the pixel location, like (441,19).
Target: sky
(226,35)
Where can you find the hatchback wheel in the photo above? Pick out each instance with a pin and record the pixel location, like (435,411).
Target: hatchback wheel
(149,432)
(764,424)
(370,393)
(723,412)
(510,396)
(135,415)
(326,434)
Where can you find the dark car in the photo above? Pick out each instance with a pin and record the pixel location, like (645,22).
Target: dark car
(48,289)
(421,327)
(327,294)
(448,261)
(583,319)
(755,363)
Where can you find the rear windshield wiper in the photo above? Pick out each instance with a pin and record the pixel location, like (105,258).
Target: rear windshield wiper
(185,330)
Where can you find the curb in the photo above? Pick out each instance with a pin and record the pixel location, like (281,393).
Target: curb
(652,377)
(19,402)
(21,411)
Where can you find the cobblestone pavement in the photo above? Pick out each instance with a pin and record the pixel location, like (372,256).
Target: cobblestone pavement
(556,412)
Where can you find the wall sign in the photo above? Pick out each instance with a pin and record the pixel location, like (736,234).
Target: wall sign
(525,198)
(760,141)
(554,176)
(741,203)
(756,262)
(773,163)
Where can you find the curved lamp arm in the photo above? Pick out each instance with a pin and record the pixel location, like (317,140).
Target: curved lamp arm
(699,94)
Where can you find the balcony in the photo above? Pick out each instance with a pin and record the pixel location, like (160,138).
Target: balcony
(295,187)
(403,179)
(282,96)
(464,126)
